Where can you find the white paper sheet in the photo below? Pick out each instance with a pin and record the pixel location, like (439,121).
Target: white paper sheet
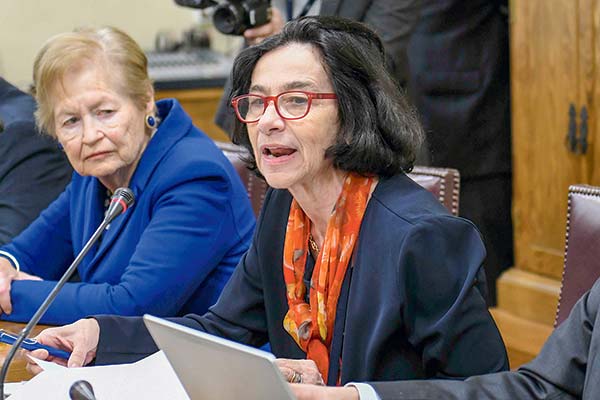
(45,365)
(149,379)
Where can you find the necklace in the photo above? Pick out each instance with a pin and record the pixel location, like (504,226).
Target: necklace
(314,248)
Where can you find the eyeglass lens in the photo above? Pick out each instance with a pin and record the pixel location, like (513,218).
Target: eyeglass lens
(289,105)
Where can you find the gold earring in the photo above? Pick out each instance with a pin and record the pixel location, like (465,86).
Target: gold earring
(150,122)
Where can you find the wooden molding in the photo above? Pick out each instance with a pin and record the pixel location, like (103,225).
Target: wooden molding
(523,339)
(529,296)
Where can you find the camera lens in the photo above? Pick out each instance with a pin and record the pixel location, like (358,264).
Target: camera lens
(229,19)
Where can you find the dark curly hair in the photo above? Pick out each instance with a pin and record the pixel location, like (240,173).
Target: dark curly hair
(380,133)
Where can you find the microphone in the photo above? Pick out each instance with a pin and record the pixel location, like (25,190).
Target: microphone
(82,390)
(122,198)
(1,126)
(120,201)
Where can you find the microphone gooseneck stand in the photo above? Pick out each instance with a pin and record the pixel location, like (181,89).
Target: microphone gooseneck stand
(122,205)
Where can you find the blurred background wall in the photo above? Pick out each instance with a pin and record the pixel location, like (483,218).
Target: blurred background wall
(26,24)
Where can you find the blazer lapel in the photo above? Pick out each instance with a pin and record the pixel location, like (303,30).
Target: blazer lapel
(175,124)
(109,235)
(93,219)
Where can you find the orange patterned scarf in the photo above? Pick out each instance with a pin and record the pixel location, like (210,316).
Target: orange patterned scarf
(330,268)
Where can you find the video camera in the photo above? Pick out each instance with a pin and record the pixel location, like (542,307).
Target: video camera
(233,17)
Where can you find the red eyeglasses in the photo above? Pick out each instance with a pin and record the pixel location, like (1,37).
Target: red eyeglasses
(293,104)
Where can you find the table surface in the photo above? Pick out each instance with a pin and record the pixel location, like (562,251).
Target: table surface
(17,371)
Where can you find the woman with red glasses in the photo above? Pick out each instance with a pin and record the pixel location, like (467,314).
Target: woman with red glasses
(356,273)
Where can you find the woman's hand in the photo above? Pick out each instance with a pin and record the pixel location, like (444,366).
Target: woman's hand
(24,276)
(80,338)
(260,33)
(312,392)
(300,371)
(7,274)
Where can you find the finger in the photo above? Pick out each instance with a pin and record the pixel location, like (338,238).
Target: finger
(88,359)
(46,337)
(5,303)
(31,356)
(259,31)
(282,362)
(77,359)
(25,276)
(58,360)
(287,373)
(40,354)
(33,368)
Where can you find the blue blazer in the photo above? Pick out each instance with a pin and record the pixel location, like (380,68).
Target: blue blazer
(415,307)
(171,253)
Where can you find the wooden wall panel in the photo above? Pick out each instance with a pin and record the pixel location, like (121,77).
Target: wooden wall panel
(544,79)
(201,105)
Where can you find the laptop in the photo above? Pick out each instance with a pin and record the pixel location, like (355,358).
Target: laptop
(210,367)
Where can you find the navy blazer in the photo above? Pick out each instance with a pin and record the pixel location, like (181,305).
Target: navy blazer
(169,254)
(567,367)
(33,170)
(415,307)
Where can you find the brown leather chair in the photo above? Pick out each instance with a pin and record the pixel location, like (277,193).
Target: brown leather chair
(443,183)
(582,247)
(255,186)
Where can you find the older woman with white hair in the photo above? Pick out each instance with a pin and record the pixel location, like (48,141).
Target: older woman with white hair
(173,252)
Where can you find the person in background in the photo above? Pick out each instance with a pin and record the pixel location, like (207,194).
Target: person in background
(567,368)
(355,273)
(393,20)
(177,246)
(33,170)
(459,82)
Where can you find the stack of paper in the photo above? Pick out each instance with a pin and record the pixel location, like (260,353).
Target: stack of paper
(149,379)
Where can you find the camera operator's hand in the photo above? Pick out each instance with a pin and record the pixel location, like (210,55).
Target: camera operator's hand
(260,33)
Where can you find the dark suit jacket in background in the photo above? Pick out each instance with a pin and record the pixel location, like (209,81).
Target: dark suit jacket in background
(393,20)
(33,170)
(415,308)
(459,82)
(568,367)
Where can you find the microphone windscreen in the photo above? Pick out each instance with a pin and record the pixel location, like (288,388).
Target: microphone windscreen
(120,201)
(82,390)
(126,194)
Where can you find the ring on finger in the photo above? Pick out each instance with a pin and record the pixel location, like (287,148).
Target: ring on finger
(296,377)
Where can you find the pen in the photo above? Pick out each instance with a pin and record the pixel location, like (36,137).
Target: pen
(32,344)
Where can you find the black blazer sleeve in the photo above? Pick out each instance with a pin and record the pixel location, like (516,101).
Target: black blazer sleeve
(33,172)
(566,368)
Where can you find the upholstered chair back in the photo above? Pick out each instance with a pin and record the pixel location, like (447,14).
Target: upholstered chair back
(255,186)
(443,183)
(582,247)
